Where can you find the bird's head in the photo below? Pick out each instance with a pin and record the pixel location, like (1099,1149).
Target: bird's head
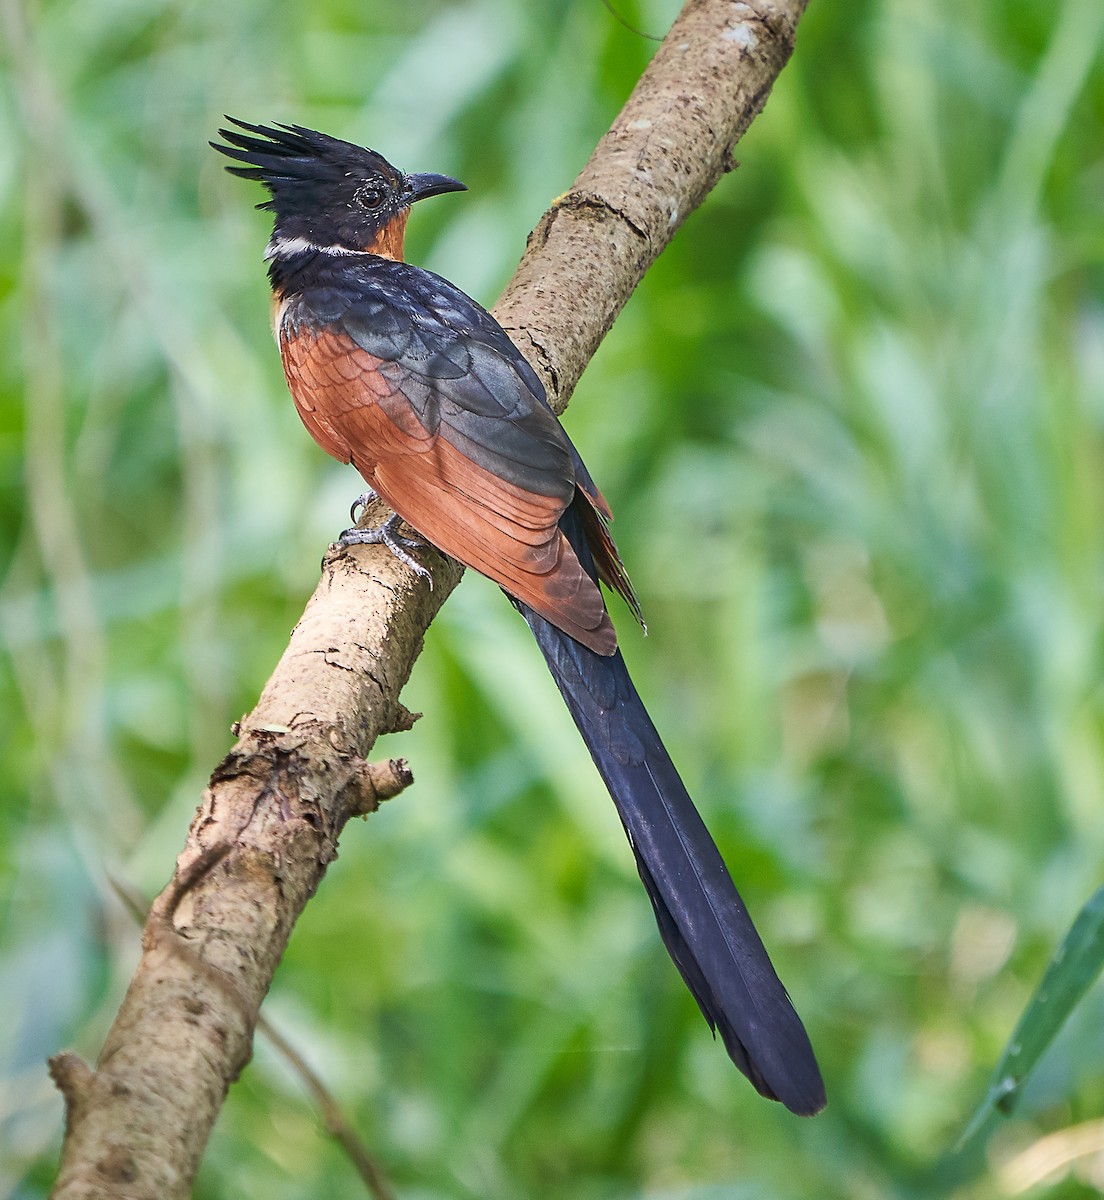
(325,193)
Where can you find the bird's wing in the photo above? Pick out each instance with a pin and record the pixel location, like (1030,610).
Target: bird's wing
(428,401)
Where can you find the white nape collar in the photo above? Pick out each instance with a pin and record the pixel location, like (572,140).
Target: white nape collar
(285,247)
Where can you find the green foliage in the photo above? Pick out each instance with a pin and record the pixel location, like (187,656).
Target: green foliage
(1074,968)
(851,426)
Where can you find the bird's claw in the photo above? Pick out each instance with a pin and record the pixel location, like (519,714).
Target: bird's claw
(362,501)
(387,535)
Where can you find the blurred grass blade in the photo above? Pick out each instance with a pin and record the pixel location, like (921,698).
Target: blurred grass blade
(1069,975)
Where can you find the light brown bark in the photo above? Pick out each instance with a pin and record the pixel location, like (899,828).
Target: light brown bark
(269,821)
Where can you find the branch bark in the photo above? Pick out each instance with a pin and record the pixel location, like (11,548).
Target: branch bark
(271,816)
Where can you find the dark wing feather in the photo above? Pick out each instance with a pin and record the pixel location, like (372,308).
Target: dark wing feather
(426,396)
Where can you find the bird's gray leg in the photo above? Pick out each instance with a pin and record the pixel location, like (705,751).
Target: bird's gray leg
(387,535)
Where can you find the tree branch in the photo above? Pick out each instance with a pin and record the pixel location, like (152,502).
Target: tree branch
(275,807)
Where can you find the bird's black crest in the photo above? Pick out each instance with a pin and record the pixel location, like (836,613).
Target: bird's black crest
(289,158)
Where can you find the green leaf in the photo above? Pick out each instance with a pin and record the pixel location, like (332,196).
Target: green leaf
(1069,975)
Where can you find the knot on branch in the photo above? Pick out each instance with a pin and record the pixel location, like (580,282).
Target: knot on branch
(374,782)
(279,786)
(72,1077)
(402,719)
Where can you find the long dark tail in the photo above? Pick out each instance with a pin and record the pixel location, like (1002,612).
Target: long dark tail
(701,917)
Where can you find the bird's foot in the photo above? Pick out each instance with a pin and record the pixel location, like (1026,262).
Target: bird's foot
(387,535)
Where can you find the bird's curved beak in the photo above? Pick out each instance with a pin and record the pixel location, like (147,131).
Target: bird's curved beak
(421,187)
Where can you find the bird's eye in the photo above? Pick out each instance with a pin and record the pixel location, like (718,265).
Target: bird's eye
(370,198)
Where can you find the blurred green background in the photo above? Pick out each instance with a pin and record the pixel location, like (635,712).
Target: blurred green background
(852,426)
